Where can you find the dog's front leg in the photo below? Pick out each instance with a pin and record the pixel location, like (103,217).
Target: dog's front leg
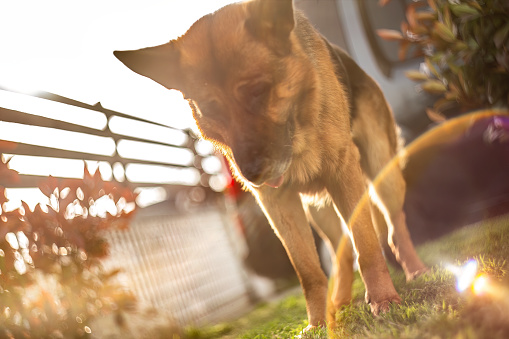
(346,188)
(283,208)
(327,224)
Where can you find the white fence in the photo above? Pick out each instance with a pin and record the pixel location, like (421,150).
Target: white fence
(187,268)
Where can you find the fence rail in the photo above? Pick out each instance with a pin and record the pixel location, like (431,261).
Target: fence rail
(188,266)
(47,125)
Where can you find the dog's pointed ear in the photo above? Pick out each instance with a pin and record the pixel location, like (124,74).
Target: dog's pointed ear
(272,21)
(160,63)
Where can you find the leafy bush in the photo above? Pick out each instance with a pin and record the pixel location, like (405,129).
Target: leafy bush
(52,283)
(465,44)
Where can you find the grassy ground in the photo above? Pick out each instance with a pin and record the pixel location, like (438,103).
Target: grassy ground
(431,308)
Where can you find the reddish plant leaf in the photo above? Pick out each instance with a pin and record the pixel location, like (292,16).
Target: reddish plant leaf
(425,16)
(3,198)
(433,5)
(435,116)
(411,13)
(443,104)
(403,50)
(48,186)
(7,175)
(390,34)
(404,27)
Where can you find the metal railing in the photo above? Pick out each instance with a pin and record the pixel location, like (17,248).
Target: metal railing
(187,266)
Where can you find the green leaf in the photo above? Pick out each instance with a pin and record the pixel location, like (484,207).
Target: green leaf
(476,5)
(438,58)
(445,33)
(501,35)
(434,87)
(453,67)
(416,75)
(460,46)
(463,83)
(464,10)
(432,68)
(478,35)
(472,44)
(447,17)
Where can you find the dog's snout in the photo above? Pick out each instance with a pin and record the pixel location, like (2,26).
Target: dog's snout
(252,168)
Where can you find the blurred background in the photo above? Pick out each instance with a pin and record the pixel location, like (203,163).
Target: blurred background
(197,250)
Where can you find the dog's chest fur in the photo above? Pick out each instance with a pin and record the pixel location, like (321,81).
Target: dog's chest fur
(324,130)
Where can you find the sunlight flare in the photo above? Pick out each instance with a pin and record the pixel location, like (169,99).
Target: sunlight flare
(465,275)
(480,284)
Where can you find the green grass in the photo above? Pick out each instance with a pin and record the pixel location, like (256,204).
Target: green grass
(284,319)
(431,308)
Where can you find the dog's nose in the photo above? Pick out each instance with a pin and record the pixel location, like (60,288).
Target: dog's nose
(251,165)
(252,170)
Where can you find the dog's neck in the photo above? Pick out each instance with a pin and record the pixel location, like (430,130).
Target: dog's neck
(325,97)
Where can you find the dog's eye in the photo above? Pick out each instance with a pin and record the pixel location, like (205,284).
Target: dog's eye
(254,95)
(212,109)
(259,89)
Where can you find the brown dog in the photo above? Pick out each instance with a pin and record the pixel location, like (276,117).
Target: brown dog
(296,117)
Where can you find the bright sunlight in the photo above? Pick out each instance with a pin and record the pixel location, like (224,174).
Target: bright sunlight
(66,48)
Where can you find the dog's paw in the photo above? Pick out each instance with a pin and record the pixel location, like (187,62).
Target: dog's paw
(306,330)
(417,273)
(384,305)
(333,306)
